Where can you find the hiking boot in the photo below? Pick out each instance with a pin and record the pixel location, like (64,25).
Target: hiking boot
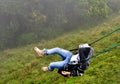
(39,52)
(44,69)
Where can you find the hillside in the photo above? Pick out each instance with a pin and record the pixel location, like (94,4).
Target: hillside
(21,66)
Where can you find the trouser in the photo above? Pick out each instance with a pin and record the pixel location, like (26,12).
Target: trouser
(64,54)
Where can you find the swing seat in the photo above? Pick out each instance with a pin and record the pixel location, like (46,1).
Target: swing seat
(80,60)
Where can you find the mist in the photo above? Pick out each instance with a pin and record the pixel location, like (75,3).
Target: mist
(23,22)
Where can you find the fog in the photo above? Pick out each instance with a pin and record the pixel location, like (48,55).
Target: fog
(23,22)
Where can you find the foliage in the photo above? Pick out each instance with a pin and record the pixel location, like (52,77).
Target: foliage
(47,19)
(98,8)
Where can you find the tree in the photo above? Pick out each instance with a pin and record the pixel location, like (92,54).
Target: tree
(98,8)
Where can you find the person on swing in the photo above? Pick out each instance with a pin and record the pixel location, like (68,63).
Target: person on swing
(67,56)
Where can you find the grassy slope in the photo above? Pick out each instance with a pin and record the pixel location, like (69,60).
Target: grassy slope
(21,66)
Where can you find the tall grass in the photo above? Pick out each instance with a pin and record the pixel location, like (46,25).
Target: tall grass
(21,66)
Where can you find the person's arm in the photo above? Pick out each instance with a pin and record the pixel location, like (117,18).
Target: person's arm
(66,72)
(63,73)
(73,73)
(76,73)
(80,70)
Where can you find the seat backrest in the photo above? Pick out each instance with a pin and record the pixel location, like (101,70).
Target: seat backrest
(85,51)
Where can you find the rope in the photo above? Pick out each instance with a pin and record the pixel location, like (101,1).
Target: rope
(106,50)
(106,35)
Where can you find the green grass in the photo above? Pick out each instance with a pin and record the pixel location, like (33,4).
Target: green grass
(21,66)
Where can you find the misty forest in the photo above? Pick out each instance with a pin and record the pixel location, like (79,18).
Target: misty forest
(25,24)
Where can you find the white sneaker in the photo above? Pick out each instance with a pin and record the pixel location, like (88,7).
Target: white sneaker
(44,69)
(39,52)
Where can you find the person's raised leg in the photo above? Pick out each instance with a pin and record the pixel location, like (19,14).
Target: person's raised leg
(61,52)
